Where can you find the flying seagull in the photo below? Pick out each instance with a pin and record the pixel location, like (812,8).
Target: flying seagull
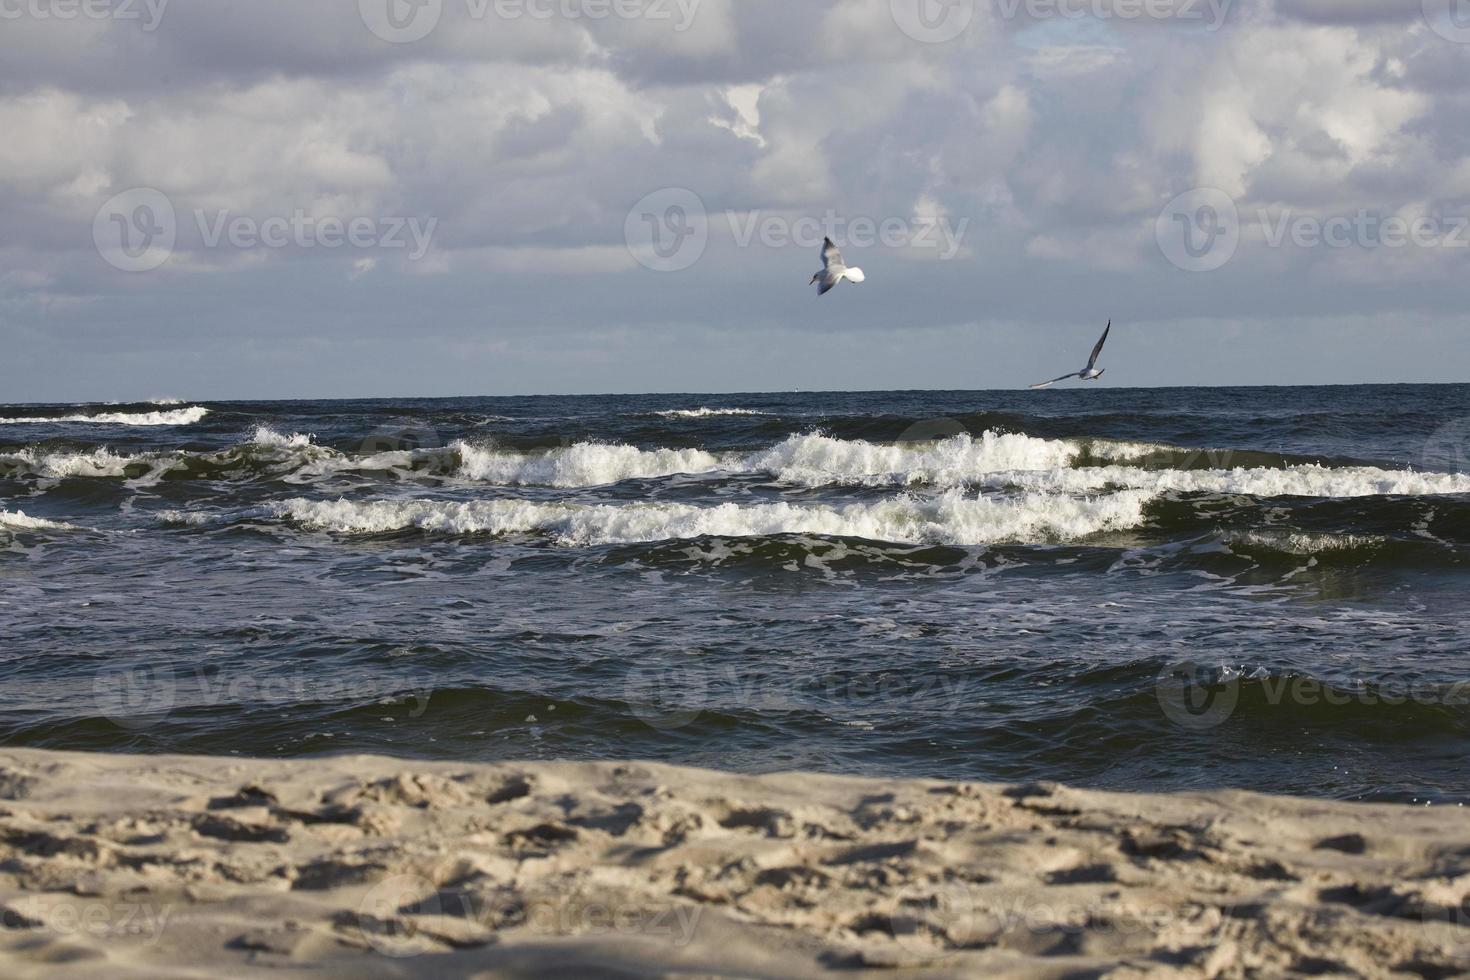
(1090,373)
(834,270)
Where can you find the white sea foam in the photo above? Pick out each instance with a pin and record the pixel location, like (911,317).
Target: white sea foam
(268,437)
(991,460)
(17,520)
(818,460)
(701,413)
(1291,481)
(952,517)
(178,416)
(580,465)
(1303,542)
(99,463)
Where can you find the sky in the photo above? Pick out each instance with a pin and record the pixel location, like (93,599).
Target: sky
(208,199)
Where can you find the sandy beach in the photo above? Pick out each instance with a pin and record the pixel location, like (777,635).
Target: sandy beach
(152,866)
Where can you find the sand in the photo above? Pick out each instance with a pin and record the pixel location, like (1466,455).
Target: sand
(162,866)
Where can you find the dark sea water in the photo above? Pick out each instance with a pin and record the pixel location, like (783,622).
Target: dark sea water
(1136,589)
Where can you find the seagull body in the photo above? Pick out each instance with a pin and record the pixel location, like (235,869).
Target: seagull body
(1090,373)
(834,270)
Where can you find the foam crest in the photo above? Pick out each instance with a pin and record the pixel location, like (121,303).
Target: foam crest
(702,413)
(580,465)
(950,518)
(1303,542)
(1292,481)
(99,463)
(818,460)
(18,521)
(267,437)
(179,416)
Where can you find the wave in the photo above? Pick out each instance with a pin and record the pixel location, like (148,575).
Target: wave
(1305,543)
(996,460)
(580,465)
(266,436)
(17,520)
(98,463)
(950,518)
(991,460)
(702,413)
(1308,480)
(180,416)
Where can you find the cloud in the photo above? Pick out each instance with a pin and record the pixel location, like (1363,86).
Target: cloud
(526,140)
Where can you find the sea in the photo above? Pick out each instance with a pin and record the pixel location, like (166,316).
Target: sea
(1137,589)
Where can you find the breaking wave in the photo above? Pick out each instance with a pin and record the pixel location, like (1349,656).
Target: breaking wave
(581,465)
(704,413)
(991,460)
(179,416)
(950,518)
(18,521)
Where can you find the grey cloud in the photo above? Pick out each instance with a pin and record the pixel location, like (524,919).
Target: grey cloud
(529,142)
(1351,11)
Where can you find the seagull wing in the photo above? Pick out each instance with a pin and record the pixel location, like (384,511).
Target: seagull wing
(1092,361)
(831,258)
(1048,384)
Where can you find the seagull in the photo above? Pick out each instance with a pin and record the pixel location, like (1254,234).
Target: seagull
(1090,373)
(834,270)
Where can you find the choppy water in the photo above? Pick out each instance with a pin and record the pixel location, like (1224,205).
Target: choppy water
(1261,588)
